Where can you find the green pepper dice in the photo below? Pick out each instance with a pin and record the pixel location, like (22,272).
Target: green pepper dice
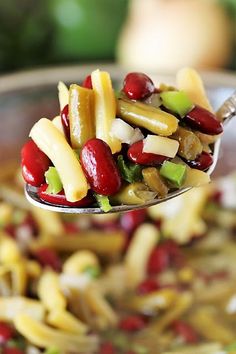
(174,173)
(53,180)
(177,102)
(103,202)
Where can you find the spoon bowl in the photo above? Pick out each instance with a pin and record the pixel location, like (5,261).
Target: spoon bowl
(226,112)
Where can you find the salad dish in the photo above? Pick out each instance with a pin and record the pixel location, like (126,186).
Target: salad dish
(151,281)
(126,147)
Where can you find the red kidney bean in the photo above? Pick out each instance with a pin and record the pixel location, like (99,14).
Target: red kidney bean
(6,333)
(71,228)
(186,331)
(132,323)
(135,154)
(65,122)
(176,256)
(206,122)
(31,224)
(10,230)
(132,219)
(202,162)
(148,286)
(34,164)
(158,260)
(87,83)
(12,350)
(48,257)
(216,197)
(60,198)
(100,168)
(138,86)
(107,348)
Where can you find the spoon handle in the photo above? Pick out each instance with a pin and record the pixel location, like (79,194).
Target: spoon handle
(228,110)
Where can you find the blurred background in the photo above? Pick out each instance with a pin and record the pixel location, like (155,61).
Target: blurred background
(152,35)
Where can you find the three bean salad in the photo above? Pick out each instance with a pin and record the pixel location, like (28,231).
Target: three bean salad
(125,147)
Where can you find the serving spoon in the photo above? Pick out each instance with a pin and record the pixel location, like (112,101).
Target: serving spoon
(226,112)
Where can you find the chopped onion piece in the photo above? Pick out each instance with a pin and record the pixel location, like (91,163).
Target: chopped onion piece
(161,146)
(121,130)
(154,100)
(137,136)
(124,132)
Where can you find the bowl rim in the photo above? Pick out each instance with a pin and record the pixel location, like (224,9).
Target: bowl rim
(52,74)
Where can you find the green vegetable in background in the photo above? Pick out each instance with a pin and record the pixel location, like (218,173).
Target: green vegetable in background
(86,29)
(35,33)
(92,271)
(25,33)
(230,6)
(52,350)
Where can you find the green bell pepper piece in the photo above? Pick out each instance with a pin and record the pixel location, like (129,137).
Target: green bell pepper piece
(177,102)
(174,173)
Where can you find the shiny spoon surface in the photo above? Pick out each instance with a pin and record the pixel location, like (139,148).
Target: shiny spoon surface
(226,112)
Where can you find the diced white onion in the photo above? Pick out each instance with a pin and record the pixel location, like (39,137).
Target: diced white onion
(154,100)
(124,132)
(121,130)
(32,350)
(137,136)
(160,145)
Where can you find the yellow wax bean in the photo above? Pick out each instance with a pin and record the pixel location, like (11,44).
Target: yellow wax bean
(44,336)
(49,139)
(105,108)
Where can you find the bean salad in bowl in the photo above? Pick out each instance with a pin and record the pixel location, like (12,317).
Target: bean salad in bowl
(151,281)
(122,148)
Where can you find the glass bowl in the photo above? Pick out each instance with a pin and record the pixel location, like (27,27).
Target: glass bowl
(27,96)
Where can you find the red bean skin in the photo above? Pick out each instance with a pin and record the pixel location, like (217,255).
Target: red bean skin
(87,83)
(138,86)
(130,220)
(206,122)
(65,122)
(6,333)
(132,323)
(100,168)
(48,257)
(148,286)
(60,198)
(158,260)
(202,162)
(12,350)
(135,154)
(186,331)
(34,164)
(107,348)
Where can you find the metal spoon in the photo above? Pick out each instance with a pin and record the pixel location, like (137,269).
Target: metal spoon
(226,112)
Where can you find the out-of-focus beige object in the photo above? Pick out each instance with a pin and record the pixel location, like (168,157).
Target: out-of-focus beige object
(161,35)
